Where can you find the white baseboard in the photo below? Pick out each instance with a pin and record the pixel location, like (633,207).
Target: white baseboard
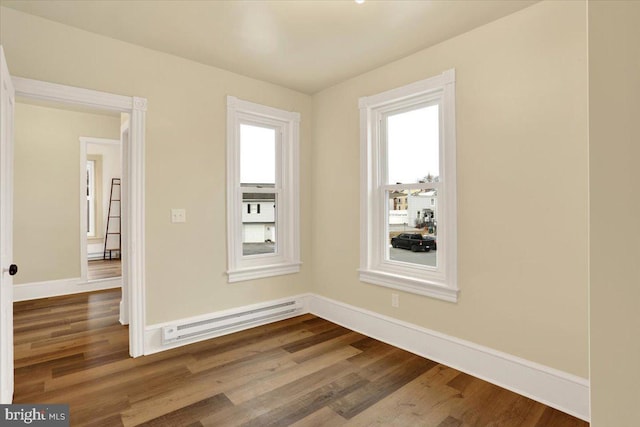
(55,288)
(554,388)
(557,389)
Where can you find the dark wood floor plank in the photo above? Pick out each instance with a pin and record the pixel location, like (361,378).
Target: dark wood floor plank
(553,417)
(203,385)
(309,403)
(316,339)
(386,363)
(225,356)
(450,422)
(283,395)
(284,334)
(103,269)
(303,371)
(327,346)
(190,414)
(276,379)
(425,401)
(324,417)
(361,399)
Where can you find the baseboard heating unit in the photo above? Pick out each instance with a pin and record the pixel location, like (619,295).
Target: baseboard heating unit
(217,325)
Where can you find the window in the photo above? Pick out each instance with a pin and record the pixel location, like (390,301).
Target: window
(91,198)
(409,151)
(262,191)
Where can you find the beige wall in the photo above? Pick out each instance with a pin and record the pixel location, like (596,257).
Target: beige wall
(614,144)
(522,160)
(522,187)
(185,155)
(47,188)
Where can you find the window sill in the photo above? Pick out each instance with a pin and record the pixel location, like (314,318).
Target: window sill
(243,274)
(410,284)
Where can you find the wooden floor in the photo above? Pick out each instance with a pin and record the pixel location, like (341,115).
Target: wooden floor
(104,269)
(303,372)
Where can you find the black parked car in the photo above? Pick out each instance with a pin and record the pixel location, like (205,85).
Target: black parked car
(415,242)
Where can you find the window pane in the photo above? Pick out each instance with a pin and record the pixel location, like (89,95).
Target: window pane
(413,226)
(258,223)
(413,145)
(257,155)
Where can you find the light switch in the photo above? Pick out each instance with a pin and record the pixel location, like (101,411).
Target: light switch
(178,215)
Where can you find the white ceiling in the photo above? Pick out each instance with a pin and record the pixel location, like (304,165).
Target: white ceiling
(306,45)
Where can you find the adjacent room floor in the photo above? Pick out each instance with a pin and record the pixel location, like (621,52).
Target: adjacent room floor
(104,269)
(303,371)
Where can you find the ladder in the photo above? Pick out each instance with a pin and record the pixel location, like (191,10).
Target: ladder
(113,236)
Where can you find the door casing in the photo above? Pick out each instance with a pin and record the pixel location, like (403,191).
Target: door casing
(133,189)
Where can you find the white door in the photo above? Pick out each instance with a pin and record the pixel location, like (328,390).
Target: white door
(7,101)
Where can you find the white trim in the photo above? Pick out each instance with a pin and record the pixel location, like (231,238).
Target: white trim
(55,288)
(7,105)
(92,140)
(286,259)
(84,269)
(263,271)
(90,172)
(133,211)
(375,267)
(153,333)
(133,239)
(408,91)
(125,302)
(54,92)
(554,388)
(408,284)
(94,256)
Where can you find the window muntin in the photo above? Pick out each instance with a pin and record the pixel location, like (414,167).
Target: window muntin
(262,191)
(409,186)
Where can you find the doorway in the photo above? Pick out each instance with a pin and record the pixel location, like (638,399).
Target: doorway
(101,207)
(132,310)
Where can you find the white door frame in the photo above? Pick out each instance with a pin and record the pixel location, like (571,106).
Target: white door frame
(133,242)
(125,143)
(6,231)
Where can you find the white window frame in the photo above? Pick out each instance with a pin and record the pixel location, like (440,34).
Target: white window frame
(440,281)
(286,259)
(91,198)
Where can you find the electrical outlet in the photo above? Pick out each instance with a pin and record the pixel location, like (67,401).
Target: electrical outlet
(178,215)
(395,300)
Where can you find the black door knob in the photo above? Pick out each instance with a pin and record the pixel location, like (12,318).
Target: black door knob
(13,269)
